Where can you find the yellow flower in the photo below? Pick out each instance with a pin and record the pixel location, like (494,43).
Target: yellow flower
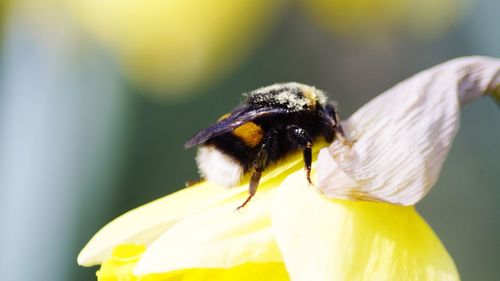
(195,233)
(290,231)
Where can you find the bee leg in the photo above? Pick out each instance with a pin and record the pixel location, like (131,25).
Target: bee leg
(258,167)
(340,132)
(193,182)
(307,161)
(302,138)
(342,137)
(252,188)
(331,120)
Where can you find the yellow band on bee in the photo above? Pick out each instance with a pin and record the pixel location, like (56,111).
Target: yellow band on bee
(250,133)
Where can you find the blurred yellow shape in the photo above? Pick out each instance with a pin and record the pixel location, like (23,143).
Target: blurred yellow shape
(177,45)
(3,11)
(377,19)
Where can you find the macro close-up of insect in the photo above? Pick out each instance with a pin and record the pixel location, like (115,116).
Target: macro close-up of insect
(249,140)
(271,123)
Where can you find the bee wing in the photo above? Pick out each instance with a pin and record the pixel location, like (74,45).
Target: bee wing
(228,124)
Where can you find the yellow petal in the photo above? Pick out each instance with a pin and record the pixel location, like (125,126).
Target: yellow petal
(228,238)
(323,239)
(119,268)
(146,223)
(245,272)
(219,237)
(120,265)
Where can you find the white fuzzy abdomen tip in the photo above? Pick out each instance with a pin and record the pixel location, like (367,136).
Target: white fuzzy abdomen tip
(218,167)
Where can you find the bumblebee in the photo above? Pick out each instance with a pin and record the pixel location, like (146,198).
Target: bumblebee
(271,123)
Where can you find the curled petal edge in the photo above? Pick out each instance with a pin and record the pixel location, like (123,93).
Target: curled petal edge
(403,136)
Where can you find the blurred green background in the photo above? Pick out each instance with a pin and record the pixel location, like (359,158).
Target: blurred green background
(98,97)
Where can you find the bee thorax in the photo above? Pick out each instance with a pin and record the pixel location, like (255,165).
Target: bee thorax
(218,167)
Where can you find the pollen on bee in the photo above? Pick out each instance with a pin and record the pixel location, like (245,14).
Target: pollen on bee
(311,97)
(250,133)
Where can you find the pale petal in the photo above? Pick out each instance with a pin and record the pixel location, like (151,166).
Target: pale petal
(331,239)
(219,237)
(146,223)
(403,136)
